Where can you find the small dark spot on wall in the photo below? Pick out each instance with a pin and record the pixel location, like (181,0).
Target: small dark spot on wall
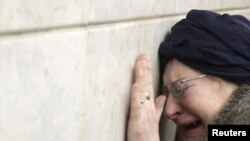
(45,72)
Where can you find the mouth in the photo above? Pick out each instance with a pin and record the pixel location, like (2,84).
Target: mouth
(194,128)
(194,125)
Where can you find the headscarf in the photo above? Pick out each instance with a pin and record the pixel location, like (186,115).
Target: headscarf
(215,44)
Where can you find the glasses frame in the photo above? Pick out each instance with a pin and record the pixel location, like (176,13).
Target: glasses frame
(181,83)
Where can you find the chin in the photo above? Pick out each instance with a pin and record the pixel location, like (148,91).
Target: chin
(194,132)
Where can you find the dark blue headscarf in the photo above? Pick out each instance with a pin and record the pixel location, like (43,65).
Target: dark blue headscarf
(212,43)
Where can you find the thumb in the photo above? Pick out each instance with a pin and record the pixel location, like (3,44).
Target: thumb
(159,105)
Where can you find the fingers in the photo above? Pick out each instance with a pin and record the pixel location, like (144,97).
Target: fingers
(136,97)
(143,70)
(159,105)
(143,74)
(142,90)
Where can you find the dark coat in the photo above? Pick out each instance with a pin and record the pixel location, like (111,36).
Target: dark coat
(237,109)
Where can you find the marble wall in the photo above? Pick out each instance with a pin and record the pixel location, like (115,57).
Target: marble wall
(66,66)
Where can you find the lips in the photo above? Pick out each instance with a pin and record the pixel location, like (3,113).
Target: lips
(191,129)
(194,124)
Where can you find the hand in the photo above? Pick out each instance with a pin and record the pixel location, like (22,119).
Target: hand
(145,112)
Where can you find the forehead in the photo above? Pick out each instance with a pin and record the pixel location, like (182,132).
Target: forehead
(176,70)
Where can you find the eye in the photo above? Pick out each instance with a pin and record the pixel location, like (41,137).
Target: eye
(177,89)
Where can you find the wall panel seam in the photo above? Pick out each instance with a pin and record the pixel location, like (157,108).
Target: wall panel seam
(114,23)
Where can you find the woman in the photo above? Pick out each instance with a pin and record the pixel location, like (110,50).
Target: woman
(205,71)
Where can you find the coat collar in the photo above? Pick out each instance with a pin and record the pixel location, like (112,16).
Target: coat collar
(237,109)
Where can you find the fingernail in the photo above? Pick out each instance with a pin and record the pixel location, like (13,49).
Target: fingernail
(143,55)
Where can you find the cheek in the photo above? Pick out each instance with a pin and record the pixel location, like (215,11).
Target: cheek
(204,104)
(200,106)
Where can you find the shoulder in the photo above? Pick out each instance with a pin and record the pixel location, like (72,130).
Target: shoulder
(237,109)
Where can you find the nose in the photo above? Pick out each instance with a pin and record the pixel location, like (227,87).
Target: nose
(172,108)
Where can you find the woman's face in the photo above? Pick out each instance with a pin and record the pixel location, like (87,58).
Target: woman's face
(201,100)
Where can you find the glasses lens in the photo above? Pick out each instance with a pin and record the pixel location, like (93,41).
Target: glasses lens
(177,89)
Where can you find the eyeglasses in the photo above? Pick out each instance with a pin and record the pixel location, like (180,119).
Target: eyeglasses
(177,87)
